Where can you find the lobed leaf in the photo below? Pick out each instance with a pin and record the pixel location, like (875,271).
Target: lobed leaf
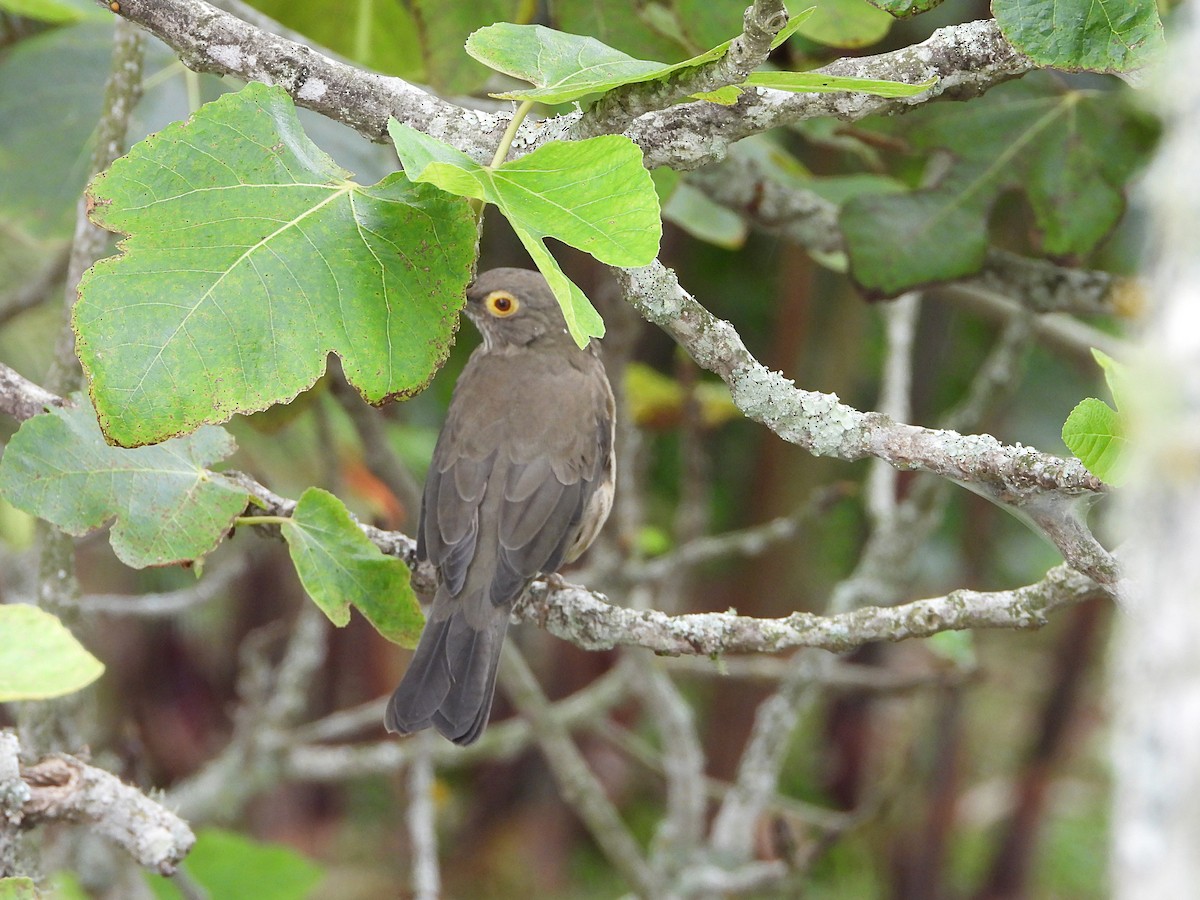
(1095,433)
(594,195)
(1069,152)
(39,657)
(1083,35)
(251,256)
(167,505)
(340,567)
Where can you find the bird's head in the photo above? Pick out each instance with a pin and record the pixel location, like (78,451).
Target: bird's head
(515,307)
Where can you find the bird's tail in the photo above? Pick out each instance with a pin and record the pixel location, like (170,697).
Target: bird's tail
(452,677)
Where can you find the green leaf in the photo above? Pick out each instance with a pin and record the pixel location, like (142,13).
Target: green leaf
(251,256)
(1095,433)
(40,658)
(1117,377)
(340,567)
(18,889)
(594,195)
(703,219)
(445,27)
(635,29)
(817,83)
(1070,153)
(656,400)
(169,507)
(43,10)
(44,159)
(902,9)
(567,67)
(383,36)
(1083,35)
(231,866)
(847,23)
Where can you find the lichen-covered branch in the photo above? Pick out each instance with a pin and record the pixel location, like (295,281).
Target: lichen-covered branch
(589,621)
(210,40)
(1042,488)
(966,59)
(613,112)
(61,788)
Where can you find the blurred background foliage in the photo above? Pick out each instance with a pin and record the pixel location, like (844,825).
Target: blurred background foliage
(988,780)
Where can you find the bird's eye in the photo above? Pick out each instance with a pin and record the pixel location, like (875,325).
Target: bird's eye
(501,303)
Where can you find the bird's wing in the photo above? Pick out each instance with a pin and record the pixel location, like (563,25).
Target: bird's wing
(516,466)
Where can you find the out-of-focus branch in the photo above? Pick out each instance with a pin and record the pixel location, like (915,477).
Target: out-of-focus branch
(21,398)
(577,784)
(501,741)
(61,788)
(421,819)
(752,541)
(15,301)
(272,701)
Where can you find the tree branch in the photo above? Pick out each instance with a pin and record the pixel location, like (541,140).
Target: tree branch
(1041,488)
(614,112)
(210,40)
(966,59)
(588,620)
(61,788)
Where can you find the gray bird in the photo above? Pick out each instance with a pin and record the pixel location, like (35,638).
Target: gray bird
(521,482)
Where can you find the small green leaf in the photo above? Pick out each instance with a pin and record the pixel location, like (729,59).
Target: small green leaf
(847,23)
(40,658)
(1095,433)
(43,10)
(251,256)
(1116,376)
(565,67)
(231,866)
(1083,35)
(18,889)
(817,83)
(169,507)
(957,647)
(594,195)
(695,213)
(902,9)
(340,567)
(656,400)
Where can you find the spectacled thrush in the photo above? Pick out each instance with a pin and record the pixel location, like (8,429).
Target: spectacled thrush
(521,482)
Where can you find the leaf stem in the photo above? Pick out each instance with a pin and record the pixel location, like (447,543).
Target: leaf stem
(505,144)
(261,520)
(510,133)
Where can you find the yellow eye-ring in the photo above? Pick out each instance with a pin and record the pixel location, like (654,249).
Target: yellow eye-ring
(501,304)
